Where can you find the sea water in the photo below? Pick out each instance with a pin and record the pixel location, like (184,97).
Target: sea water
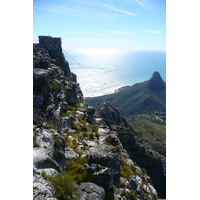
(103,71)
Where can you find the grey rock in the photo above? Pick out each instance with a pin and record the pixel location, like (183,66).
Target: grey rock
(134,183)
(44,138)
(65,106)
(105,156)
(70,154)
(110,161)
(80,114)
(106,177)
(109,113)
(91,191)
(138,149)
(48,171)
(42,189)
(90,114)
(53,142)
(113,140)
(72,93)
(43,158)
(91,169)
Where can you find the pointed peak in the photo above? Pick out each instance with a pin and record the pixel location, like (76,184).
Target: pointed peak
(156,83)
(156,76)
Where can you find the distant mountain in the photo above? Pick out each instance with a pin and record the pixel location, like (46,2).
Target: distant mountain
(145,97)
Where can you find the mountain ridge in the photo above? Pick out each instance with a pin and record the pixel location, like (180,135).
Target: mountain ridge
(96,147)
(144,97)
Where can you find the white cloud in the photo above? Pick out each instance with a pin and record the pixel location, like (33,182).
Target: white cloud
(144,4)
(152,31)
(119,10)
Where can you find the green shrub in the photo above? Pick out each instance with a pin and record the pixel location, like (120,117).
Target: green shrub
(129,195)
(108,141)
(95,128)
(84,135)
(144,171)
(65,114)
(75,169)
(118,149)
(91,135)
(55,85)
(84,127)
(44,174)
(74,143)
(67,141)
(125,170)
(64,186)
(75,126)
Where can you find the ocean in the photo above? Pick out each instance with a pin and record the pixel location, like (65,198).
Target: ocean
(103,71)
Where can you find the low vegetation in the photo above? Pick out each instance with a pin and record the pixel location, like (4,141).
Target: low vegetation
(55,85)
(125,170)
(129,195)
(64,185)
(152,130)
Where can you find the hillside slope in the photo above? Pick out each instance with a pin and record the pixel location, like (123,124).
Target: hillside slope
(145,97)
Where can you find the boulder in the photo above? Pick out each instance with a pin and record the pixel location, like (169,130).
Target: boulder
(90,114)
(73,93)
(70,154)
(104,155)
(52,141)
(43,158)
(109,113)
(91,191)
(106,177)
(109,172)
(42,189)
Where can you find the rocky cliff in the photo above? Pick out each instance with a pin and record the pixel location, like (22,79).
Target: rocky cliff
(80,152)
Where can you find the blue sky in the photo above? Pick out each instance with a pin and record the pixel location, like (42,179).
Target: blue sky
(111,24)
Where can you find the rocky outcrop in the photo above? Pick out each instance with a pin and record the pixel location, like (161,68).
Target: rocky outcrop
(95,147)
(105,163)
(91,191)
(54,87)
(139,150)
(42,189)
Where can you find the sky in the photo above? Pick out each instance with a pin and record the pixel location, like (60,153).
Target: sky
(102,24)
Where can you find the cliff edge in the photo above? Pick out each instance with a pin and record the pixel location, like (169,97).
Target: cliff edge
(93,151)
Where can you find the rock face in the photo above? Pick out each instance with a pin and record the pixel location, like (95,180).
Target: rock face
(95,147)
(138,149)
(107,166)
(54,87)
